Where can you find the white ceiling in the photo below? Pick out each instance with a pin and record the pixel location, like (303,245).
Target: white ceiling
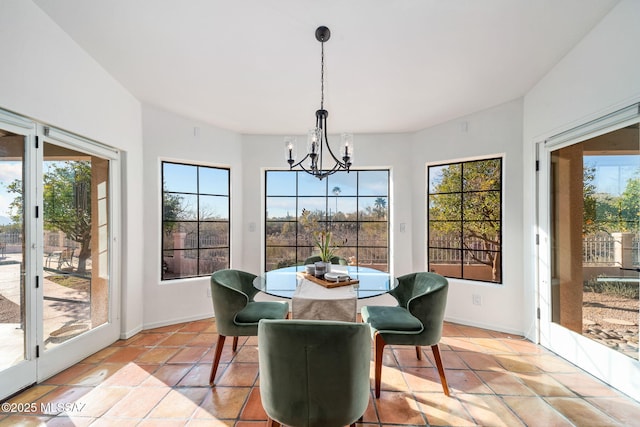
(253,66)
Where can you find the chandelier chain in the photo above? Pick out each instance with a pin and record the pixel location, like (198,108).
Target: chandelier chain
(322,77)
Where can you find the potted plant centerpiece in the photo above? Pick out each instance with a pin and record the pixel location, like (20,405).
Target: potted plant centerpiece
(322,240)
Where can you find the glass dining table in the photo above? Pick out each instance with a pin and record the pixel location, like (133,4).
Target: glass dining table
(283,282)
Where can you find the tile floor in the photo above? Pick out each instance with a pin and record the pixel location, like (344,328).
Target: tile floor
(159,378)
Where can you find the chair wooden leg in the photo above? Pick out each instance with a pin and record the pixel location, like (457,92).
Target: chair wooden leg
(235,344)
(379,343)
(418,352)
(443,379)
(216,359)
(272,423)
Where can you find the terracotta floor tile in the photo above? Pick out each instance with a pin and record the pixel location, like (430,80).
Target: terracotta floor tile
(584,385)
(472,332)
(480,361)
(490,345)
(550,363)
(460,344)
(535,411)
(160,378)
(178,339)
(247,354)
(129,341)
(212,422)
(406,356)
(451,330)
(100,399)
(67,421)
(138,403)
(157,422)
(125,355)
(489,410)
(398,408)
(168,328)
(623,409)
(166,375)
(96,375)
(515,363)
(239,374)
(465,381)
(24,421)
(370,415)
(250,424)
(179,403)
(100,355)
(152,339)
(544,385)
(523,346)
(198,376)
(68,374)
(131,374)
(422,379)
(223,403)
(188,355)
(253,409)
(450,360)
(156,355)
(205,340)
(391,379)
(32,394)
(197,326)
(505,383)
(580,412)
(388,358)
(441,410)
(253,340)
(56,400)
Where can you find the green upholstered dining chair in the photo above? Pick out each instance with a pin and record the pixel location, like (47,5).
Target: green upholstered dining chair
(417,319)
(334,260)
(314,373)
(236,313)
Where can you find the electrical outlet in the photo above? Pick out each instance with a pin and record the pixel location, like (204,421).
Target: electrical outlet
(476,299)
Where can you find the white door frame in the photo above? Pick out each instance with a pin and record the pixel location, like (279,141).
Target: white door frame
(612,367)
(39,364)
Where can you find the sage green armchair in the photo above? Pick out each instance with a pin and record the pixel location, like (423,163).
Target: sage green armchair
(334,260)
(314,373)
(417,319)
(236,313)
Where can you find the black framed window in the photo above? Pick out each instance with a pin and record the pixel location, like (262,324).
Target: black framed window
(195,220)
(464,219)
(354,206)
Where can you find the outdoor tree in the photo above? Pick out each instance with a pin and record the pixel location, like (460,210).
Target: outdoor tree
(67,203)
(465,210)
(380,207)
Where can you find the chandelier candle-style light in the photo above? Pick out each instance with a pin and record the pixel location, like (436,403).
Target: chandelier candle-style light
(317,137)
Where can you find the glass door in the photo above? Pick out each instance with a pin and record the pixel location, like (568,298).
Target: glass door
(17,338)
(59,299)
(78,316)
(591,235)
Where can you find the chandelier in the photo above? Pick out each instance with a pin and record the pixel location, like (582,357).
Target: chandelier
(317,137)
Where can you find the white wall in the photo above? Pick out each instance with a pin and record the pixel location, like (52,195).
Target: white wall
(497,131)
(392,151)
(46,76)
(174,138)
